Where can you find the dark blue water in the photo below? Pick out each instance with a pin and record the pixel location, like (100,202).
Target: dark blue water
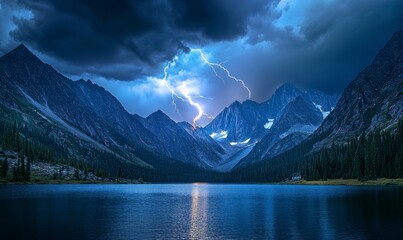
(200,211)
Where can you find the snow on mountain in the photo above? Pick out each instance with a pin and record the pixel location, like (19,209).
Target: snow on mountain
(219,135)
(269,123)
(239,122)
(373,100)
(299,116)
(240,143)
(92,114)
(251,121)
(234,156)
(324,113)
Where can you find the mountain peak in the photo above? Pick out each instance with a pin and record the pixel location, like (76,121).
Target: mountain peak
(286,87)
(249,102)
(299,111)
(22,47)
(298,99)
(398,34)
(391,51)
(185,124)
(21,54)
(235,104)
(158,115)
(21,50)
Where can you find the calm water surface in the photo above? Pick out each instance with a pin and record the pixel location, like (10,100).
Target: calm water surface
(200,211)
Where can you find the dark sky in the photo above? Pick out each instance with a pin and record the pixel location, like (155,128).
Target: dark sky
(125,45)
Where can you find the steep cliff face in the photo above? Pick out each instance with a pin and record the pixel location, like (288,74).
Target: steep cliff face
(241,121)
(90,113)
(81,105)
(252,120)
(180,142)
(374,100)
(266,124)
(296,121)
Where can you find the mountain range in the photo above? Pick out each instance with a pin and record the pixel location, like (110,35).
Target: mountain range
(261,130)
(81,120)
(362,136)
(372,101)
(91,114)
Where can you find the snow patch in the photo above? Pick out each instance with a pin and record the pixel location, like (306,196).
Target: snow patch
(240,143)
(232,161)
(324,113)
(299,128)
(219,135)
(269,124)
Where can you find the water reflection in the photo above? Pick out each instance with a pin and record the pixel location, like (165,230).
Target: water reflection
(198,213)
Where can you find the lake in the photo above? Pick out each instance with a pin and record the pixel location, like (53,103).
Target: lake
(200,211)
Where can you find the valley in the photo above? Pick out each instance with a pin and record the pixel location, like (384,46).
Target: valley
(79,121)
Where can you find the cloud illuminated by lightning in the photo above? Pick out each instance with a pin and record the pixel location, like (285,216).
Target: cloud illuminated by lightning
(184,93)
(170,88)
(212,65)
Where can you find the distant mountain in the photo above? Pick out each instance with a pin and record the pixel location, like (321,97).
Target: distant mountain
(202,138)
(80,120)
(240,120)
(178,142)
(266,124)
(299,116)
(84,121)
(361,138)
(288,92)
(251,120)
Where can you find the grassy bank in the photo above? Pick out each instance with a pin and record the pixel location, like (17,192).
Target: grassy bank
(36,179)
(353,182)
(48,180)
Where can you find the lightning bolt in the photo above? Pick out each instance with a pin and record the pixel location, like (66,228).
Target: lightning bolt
(184,92)
(168,86)
(199,108)
(219,65)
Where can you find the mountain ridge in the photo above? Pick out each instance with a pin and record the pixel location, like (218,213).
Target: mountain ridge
(372,100)
(78,117)
(361,138)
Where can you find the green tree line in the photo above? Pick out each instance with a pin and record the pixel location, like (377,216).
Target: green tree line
(376,155)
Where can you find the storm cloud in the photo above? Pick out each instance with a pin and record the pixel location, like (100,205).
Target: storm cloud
(130,38)
(121,45)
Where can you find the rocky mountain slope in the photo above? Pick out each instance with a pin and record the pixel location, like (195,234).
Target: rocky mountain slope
(361,137)
(81,120)
(186,145)
(88,121)
(250,119)
(373,100)
(264,127)
(297,121)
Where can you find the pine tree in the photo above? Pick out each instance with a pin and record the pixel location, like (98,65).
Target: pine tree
(76,174)
(27,176)
(119,173)
(22,167)
(4,168)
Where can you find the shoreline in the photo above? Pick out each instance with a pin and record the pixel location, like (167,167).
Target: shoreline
(333,182)
(351,182)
